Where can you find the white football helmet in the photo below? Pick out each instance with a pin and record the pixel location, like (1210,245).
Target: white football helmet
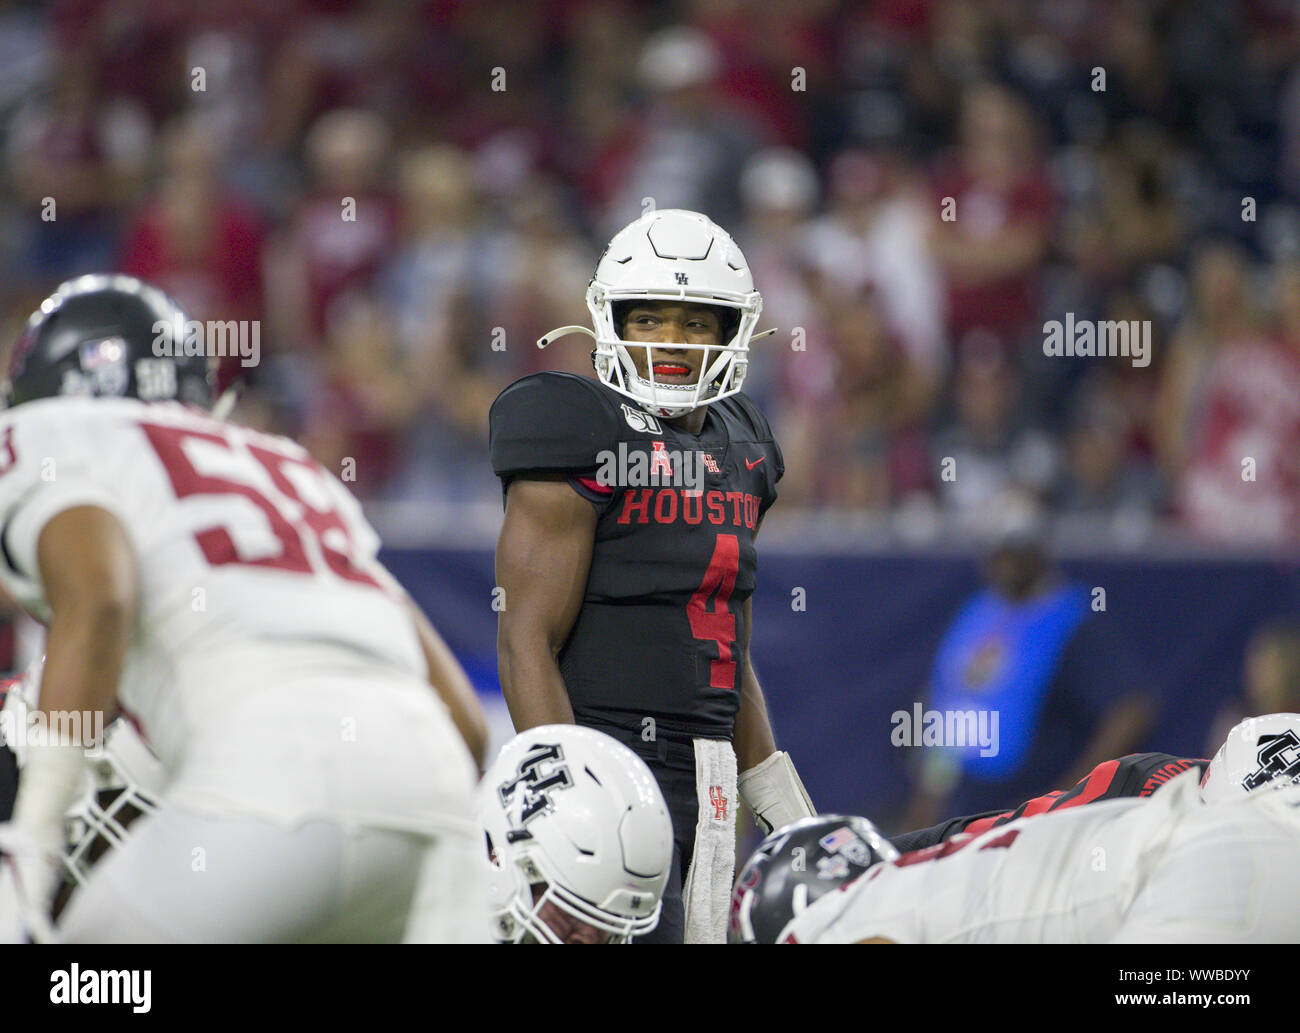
(124,782)
(1260,751)
(574,820)
(671,255)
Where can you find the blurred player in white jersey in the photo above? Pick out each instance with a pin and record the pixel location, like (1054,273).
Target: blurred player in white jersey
(1190,864)
(222,590)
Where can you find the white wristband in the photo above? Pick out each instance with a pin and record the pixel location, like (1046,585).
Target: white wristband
(773,791)
(47,787)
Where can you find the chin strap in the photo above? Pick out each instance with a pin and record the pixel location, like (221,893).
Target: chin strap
(564,331)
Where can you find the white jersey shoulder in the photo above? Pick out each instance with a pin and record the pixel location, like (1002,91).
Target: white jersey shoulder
(1062,877)
(240,537)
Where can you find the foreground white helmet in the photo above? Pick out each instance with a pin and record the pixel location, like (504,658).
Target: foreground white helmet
(124,782)
(671,255)
(574,821)
(1259,751)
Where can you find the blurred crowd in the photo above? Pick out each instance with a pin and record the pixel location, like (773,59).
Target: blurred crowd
(407,194)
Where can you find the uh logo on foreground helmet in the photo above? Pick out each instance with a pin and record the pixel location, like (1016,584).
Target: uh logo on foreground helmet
(795,866)
(577,833)
(98,335)
(1259,751)
(671,255)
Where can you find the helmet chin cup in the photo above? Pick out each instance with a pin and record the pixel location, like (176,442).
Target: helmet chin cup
(660,400)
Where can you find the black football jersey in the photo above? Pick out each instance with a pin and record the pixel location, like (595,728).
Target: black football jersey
(673,561)
(1138,774)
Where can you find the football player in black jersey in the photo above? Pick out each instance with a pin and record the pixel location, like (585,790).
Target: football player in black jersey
(627,553)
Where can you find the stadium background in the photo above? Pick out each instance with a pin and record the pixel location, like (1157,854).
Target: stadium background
(491,148)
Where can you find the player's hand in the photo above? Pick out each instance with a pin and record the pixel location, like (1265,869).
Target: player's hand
(28,878)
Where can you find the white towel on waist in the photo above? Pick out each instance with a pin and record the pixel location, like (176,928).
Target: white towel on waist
(713,865)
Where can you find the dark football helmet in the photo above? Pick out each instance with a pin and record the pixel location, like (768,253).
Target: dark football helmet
(796,865)
(107,335)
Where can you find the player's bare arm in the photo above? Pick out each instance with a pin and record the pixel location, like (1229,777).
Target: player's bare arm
(769,784)
(543,558)
(88,569)
(754,741)
(449,680)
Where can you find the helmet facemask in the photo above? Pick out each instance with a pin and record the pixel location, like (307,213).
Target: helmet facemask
(522,920)
(114,798)
(99,823)
(722,371)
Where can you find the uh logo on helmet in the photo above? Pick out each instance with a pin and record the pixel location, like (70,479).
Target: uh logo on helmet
(671,255)
(1259,751)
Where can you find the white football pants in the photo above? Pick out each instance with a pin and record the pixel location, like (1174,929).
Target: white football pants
(1233,879)
(190,877)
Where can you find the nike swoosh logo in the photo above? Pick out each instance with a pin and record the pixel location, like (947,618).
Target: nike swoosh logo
(750,466)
